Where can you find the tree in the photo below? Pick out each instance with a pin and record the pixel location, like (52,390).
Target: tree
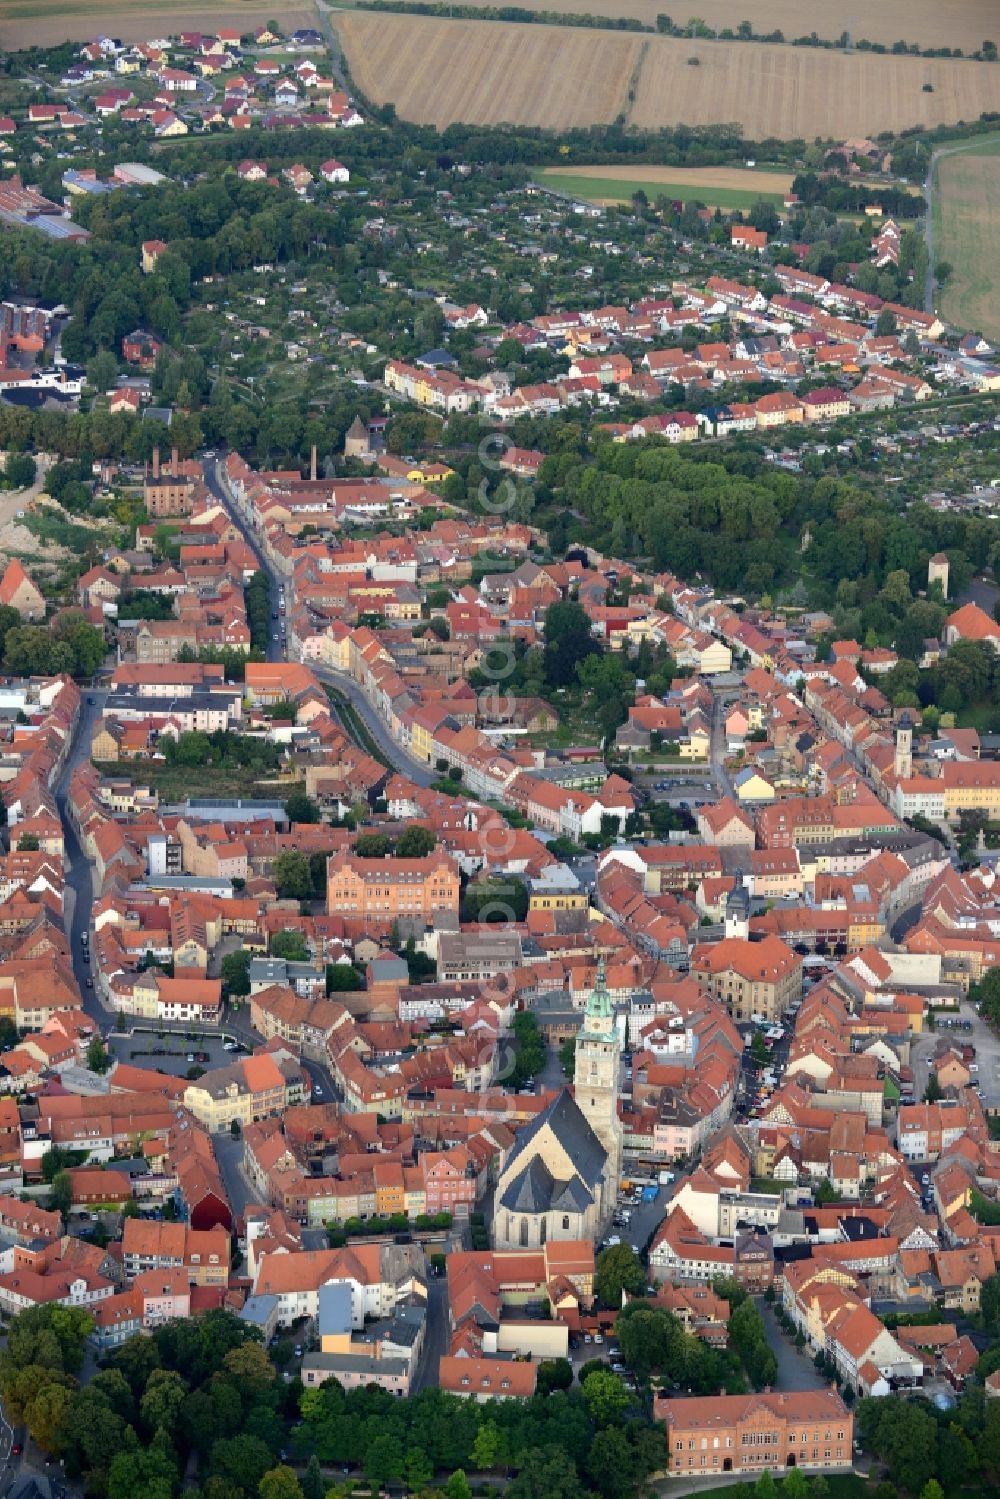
(458,1486)
(162,1399)
(795,1485)
(235,970)
(292,875)
(61,1196)
(150,1473)
(384,1458)
(487,1448)
(47,1417)
(416,843)
(568,641)
(301,808)
(341,978)
(19,471)
(419,1469)
(243,1459)
(618,1269)
(567,1056)
(280,1483)
(372,846)
(97,1057)
(28,843)
(313,1485)
(554,1374)
(496,900)
(249,1364)
(546,1473)
(758,1048)
(606,1397)
(611,1463)
(290,945)
(102,370)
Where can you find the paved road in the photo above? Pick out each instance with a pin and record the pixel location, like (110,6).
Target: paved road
(436,1336)
(399,757)
(717,750)
(79,889)
(404,762)
(212,470)
(229,1154)
(796,1371)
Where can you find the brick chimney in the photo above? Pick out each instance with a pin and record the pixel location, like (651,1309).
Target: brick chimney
(156,463)
(312,463)
(174,462)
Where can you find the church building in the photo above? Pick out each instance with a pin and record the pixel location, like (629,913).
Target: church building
(561,1178)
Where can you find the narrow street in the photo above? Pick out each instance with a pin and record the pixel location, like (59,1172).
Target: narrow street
(796,1371)
(79,888)
(399,757)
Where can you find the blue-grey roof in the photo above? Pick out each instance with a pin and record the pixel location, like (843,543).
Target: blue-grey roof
(536,1184)
(335,1311)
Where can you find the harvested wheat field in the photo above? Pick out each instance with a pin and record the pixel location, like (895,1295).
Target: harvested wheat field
(487,72)
(926,23)
(802,91)
(966,234)
(46,23)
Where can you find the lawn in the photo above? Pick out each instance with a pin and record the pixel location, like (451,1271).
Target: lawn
(175,783)
(966,206)
(621,190)
(836,1486)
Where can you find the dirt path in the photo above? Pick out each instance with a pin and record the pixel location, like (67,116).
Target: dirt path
(13,536)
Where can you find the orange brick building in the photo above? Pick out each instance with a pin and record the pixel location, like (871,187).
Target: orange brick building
(376,892)
(751,1433)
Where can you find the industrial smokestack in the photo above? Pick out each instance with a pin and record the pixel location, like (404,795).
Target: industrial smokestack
(174,462)
(312,463)
(156,463)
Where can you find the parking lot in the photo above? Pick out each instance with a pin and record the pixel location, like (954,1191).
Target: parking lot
(979,1035)
(172,1054)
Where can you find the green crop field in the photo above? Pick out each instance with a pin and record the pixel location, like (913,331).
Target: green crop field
(966,205)
(686,188)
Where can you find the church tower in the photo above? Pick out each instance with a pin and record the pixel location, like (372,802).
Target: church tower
(903,760)
(597,1082)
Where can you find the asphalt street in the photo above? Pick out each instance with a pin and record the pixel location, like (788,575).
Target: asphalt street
(796,1371)
(79,888)
(399,757)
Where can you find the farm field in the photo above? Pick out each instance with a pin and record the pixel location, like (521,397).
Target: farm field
(927,23)
(802,91)
(718,187)
(46,23)
(488,73)
(966,232)
(439,71)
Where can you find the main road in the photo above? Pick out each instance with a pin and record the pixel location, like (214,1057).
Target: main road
(397,756)
(78,894)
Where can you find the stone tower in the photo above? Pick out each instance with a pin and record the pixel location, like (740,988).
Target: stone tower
(597,1083)
(903,764)
(356,443)
(937,572)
